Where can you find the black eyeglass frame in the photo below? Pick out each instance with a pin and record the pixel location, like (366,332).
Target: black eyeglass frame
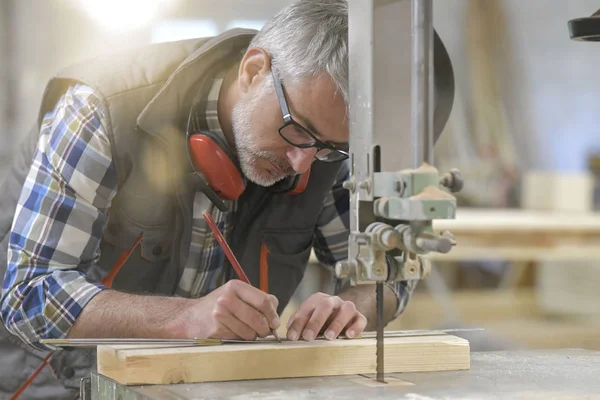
(288,120)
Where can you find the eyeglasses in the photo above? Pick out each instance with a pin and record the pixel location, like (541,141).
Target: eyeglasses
(298,136)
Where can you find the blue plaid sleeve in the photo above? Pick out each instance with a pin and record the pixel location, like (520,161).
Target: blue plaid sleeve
(58,221)
(331,238)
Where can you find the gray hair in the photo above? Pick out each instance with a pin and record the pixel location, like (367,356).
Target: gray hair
(307,38)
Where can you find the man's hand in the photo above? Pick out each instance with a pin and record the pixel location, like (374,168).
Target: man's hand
(235,310)
(321,312)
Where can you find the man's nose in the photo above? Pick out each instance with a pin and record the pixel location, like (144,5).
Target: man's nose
(301,159)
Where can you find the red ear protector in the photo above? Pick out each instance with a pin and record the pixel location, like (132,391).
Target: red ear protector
(221,174)
(216,173)
(301,182)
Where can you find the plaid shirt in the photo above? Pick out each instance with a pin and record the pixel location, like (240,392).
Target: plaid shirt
(204,270)
(62,212)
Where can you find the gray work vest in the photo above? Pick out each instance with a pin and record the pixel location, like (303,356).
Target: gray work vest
(147,94)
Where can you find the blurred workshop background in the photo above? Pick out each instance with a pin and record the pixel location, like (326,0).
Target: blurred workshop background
(524,131)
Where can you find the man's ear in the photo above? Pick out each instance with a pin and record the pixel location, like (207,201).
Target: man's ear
(255,65)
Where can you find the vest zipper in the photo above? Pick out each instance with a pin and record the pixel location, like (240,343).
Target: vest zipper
(245,221)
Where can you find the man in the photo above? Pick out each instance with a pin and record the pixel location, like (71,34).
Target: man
(109,178)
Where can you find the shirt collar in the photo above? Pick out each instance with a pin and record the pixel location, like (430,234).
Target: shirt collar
(211,110)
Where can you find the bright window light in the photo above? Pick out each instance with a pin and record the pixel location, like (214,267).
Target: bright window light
(246,23)
(123,15)
(169,31)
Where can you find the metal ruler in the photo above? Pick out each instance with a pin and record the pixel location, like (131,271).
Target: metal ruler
(92,342)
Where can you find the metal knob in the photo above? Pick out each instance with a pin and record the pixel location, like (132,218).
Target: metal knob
(384,236)
(450,236)
(453,180)
(349,185)
(346,269)
(439,245)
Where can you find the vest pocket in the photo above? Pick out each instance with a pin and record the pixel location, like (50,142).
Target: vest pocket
(284,256)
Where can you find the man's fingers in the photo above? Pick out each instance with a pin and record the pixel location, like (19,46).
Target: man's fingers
(246,314)
(298,321)
(345,314)
(262,302)
(291,319)
(307,308)
(320,315)
(238,329)
(357,326)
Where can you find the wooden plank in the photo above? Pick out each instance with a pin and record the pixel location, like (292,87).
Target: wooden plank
(490,252)
(519,235)
(554,191)
(475,308)
(471,220)
(154,365)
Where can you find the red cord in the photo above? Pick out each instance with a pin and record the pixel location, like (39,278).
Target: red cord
(32,377)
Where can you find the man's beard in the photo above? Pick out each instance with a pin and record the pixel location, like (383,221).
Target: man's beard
(246,143)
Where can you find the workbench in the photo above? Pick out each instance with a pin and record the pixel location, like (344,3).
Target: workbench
(529,374)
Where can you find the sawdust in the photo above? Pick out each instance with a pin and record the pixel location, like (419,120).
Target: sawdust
(432,193)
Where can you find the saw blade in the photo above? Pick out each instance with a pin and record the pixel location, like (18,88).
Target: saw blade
(379,350)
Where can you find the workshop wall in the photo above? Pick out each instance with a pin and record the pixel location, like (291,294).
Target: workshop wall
(550,84)
(542,102)
(554,87)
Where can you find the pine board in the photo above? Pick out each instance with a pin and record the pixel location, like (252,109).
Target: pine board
(135,365)
(472,220)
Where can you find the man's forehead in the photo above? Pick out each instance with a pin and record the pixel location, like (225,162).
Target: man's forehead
(321,105)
